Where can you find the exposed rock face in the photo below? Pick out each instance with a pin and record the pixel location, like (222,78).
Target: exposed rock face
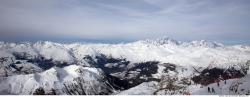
(208,76)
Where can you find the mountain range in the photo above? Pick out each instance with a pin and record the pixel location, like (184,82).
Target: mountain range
(161,66)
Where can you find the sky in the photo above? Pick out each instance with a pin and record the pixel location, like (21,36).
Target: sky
(226,21)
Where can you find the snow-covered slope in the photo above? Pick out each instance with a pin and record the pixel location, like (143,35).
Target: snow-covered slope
(238,86)
(25,67)
(54,78)
(196,53)
(146,88)
(169,51)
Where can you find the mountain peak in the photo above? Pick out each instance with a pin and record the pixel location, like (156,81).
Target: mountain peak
(167,40)
(205,43)
(161,41)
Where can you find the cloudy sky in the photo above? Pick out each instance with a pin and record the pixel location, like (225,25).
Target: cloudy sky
(225,21)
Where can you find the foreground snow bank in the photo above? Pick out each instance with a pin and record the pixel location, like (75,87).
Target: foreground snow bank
(238,86)
(146,88)
(54,78)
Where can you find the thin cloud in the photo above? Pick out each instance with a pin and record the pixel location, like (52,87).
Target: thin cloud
(125,20)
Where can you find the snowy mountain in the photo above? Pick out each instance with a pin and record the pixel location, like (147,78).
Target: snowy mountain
(153,66)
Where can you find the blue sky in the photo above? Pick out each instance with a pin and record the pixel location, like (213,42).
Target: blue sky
(225,21)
